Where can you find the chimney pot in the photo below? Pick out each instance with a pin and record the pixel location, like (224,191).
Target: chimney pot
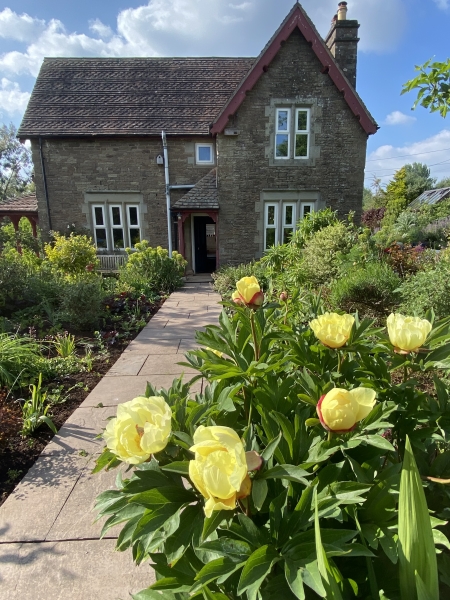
(342,11)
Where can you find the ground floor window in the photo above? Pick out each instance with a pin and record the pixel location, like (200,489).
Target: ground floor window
(116,226)
(280,220)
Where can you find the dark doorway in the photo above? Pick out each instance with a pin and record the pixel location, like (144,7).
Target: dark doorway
(205,244)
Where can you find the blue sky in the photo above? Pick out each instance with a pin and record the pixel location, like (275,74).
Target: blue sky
(395,36)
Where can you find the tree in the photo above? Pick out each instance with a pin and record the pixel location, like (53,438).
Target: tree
(15,164)
(433,83)
(418,180)
(397,200)
(443,183)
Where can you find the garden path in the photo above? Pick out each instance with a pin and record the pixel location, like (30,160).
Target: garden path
(49,547)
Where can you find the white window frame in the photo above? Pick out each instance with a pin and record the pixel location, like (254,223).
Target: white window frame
(129,225)
(280,224)
(197,154)
(286,131)
(108,225)
(306,132)
(104,226)
(284,225)
(275,225)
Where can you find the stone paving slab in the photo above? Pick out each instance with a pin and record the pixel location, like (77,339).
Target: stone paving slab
(173,332)
(71,570)
(164,365)
(76,518)
(160,347)
(79,432)
(111,391)
(130,363)
(29,512)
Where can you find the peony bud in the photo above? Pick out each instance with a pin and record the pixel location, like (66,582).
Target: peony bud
(340,410)
(283,297)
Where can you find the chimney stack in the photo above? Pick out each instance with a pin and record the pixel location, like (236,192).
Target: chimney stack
(342,40)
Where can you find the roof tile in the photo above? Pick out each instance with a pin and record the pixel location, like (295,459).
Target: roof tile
(203,195)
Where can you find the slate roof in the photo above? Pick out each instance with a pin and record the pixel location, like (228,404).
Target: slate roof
(431,197)
(137,96)
(21,204)
(203,196)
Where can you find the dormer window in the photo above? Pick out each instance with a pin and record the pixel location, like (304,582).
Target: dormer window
(292,125)
(204,154)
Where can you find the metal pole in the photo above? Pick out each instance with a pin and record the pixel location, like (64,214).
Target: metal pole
(166,174)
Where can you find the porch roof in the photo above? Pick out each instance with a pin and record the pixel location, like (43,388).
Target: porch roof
(20,205)
(203,196)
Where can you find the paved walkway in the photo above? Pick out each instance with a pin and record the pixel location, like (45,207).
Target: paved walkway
(49,547)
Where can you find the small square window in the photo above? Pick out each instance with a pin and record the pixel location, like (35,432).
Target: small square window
(204,154)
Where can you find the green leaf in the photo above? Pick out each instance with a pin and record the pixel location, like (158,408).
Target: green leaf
(191,522)
(228,547)
(269,450)
(294,579)
(220,568)
(158,497)
(105,458)
(259,492)
(180,583)
(257,567)
(208,595)
(329,582)
(417,553)
(289,472)
(302,512)
(213,522)
(181,467)
(150,594)
(377,441)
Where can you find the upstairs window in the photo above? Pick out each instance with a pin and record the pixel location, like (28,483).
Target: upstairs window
(296,128)
(116,226)
(204,154)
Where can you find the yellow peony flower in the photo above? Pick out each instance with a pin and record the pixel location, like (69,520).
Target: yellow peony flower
(340,410)
(220,467)
(142,427)
(407,334)
(332,330)
(248,292)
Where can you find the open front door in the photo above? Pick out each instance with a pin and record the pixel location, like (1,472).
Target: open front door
(205,244)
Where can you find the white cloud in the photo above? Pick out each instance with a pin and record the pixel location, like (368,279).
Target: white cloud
(103,31)
(188,27)
(12,100)
(433,151)
(398,118)
(19,27)
(443,4)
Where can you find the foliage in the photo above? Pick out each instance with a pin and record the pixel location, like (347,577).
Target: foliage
(427,289)
(320,260)
(396,194)
(18,358)
(418,180)
(151,270)
(81,302)
(407,260)
(321,519)
(15,164)
(312,223)
(372,286)
(64,344)
(24,237)
(72,255)
(443,183)
(34,411)
(372,218)
(433,85)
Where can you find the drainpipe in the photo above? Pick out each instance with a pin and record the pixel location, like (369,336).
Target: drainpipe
(166,173)
(44,179)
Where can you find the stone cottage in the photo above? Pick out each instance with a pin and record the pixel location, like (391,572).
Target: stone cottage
(216,157)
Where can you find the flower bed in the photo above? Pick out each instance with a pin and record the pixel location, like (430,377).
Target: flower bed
(304,468)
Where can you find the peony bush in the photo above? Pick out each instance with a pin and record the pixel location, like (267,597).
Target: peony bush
(314,464)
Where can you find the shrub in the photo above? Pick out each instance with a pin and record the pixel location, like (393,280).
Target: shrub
(372,218)
(226,277)
(374,285)
(322,252)
(427,289)
(81,302)
(311,223)
(71,255)
(149,270)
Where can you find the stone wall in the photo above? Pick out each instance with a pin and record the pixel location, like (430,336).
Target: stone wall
(246,167)
(76,166)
